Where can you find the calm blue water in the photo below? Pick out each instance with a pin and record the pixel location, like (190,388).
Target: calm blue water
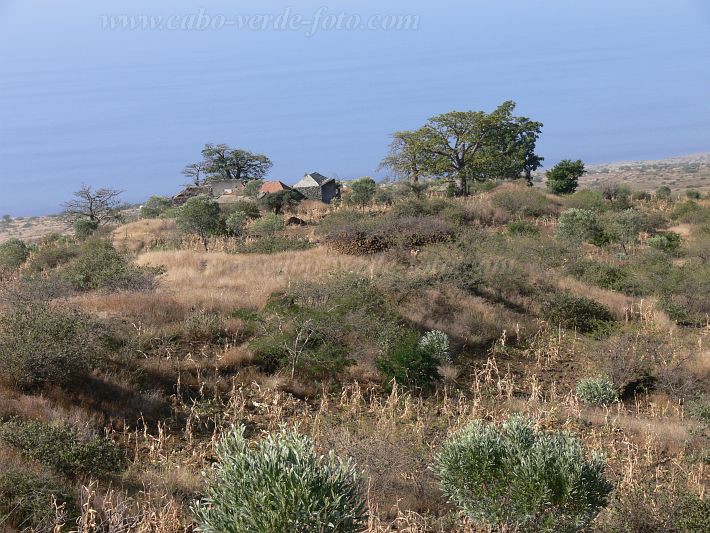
(611,81)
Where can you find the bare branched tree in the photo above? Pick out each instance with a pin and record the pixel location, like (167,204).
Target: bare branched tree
(100,205)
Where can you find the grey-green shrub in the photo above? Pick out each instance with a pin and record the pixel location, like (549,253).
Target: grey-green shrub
(13,252)
(280,485)
(596,391)
(578,225)
(41,344)
(436,343)
(63,448)
(100,266)
(155,206)
(516,477)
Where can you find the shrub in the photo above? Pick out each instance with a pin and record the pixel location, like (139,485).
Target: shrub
(666,241)
(436,343)
(692,194)
(236,223)
(578,225)
(641,196)
(606,276)
(577,312)
(520,227)
(514,476)
(100,266)
(281,485)
(369,235)
(85,228)
(277,202)
(647,509)
(362,191)
(274,244)
(421,207)
(199,216)
(691,212)
(523,202)
(40,344)
(663,193)
(405,361)
(155,206)
(51,254)
(250,209)
(63,449)
(267,225)
(596,391)
(26,499)
(13,253)
(587,199)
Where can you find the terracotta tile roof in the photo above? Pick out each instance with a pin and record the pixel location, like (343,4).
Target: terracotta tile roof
(273,186)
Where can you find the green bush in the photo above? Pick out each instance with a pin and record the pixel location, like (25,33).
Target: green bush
(236,223)
(156,206)
(407,362)
(606,276)
(85,228)
(51,254)
(274,244)
(280,485)
(63,449)
(663,193)
(267,225)
(577,312)
(692,194)
(13,253)
(524,202)
(100,266)
(690,212)
(249,209)
(578,225)
(666,241)
(516,477)
(26,499)
(421,207)
(596,391)
(40,344)
(587,199)
(520,227)
(640,196)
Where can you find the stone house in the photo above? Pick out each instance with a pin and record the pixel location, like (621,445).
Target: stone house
(315,186)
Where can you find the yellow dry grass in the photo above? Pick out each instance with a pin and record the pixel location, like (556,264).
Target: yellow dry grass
(222,281)
(143,234)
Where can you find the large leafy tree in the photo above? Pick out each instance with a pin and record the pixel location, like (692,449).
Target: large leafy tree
(224,163)
(468,145)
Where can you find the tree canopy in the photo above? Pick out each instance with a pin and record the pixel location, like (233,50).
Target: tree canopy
(220,162)
(467,146)
(200,216)
(100,206)
(564,176)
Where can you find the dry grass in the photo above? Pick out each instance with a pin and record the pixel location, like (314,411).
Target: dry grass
(221,281)
(145,234)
